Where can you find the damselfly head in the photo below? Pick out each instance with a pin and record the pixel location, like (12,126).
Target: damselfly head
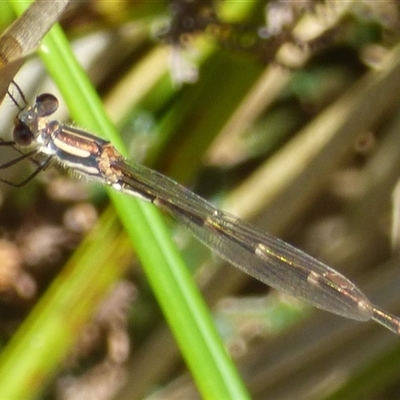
(31,120)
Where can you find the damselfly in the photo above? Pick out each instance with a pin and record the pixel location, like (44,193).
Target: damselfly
(260,255)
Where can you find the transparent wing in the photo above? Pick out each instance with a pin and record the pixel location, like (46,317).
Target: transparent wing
(260,255)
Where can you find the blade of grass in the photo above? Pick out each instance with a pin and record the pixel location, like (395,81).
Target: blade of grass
(182,305)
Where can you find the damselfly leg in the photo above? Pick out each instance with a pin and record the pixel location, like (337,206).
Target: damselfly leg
(40,167)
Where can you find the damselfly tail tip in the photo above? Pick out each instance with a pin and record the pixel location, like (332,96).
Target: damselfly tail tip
(389,321)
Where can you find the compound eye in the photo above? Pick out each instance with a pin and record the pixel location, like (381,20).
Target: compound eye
(22,135)
(46,104)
